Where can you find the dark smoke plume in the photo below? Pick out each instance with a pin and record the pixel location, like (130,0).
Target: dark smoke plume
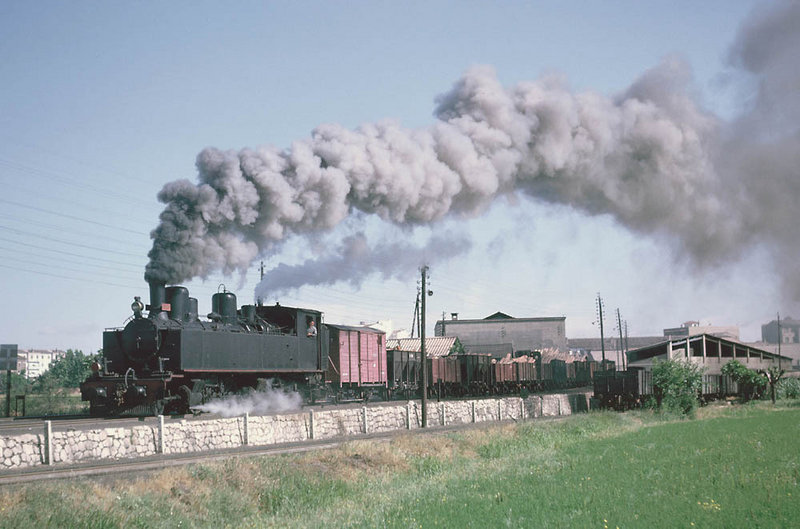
(650,157)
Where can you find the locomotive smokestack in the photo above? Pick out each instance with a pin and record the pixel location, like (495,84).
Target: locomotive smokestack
(157,296)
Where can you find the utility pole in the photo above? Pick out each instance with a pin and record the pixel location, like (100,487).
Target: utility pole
(423,352)
(621,347)
(415,321)
(626,343)
(780,339)
(7,349)
(602,335)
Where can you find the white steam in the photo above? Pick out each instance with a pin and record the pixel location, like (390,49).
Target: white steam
(268,400)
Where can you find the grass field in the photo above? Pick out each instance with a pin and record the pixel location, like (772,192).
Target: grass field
(61,403)
(729,467)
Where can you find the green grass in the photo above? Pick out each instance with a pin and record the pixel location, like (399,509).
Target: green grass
(46,404)
(730,467)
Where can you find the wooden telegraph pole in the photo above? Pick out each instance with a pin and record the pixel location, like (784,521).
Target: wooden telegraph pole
(602,335)
(621,346)
(423,352)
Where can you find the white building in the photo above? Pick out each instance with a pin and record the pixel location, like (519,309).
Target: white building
(37,361)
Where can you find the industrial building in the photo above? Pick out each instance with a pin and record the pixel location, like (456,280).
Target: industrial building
(785,331)
(693,328)
(707,351)
(500,333)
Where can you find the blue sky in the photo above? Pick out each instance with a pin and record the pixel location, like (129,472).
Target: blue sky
(101,104)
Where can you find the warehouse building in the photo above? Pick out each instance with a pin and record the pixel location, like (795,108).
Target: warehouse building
(707,351)
(499,333)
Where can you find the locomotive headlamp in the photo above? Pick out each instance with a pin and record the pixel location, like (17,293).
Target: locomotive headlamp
(137,306)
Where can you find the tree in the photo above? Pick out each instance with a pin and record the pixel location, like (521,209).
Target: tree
(67,372)
(773,376)
(457,348)
(751,384)
(19,384)
(676,385)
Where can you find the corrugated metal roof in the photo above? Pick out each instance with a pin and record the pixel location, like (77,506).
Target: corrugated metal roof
(361,328)
(434,346)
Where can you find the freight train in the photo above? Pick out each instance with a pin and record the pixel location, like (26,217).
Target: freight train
(460,375)
(172,360)
(631,388)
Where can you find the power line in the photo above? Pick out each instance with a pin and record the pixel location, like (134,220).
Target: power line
(60,252)
(19,255)
(59,276)
(73,217)
(60,241)
(44,173)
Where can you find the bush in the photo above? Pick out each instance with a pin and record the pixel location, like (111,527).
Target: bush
(676,386)
(751,384)
(789,388)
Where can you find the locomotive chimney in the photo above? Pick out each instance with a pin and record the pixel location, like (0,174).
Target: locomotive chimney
(157,296)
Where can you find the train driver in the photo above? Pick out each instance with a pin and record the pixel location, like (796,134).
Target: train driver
(312,330)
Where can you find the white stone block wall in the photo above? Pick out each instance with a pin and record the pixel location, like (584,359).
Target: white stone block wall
(386,419)
(276,429)
(75,446)
(21,451)
(338,423)
(200,436)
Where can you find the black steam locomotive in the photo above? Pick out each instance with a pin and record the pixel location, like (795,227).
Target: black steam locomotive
(171,360)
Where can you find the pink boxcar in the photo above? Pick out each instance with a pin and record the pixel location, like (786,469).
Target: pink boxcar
(357,356)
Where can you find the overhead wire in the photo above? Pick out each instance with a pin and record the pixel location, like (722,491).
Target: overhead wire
(61,276)
(68,216)
(66,180)
(60,252)
(68,243)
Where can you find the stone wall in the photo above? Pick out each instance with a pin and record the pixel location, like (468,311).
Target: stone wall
(186,436)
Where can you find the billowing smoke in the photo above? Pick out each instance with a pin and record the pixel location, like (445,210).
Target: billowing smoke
(268,400)
(650,157)
(355,260)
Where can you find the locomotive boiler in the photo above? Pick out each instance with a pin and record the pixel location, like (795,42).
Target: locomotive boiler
(171,360)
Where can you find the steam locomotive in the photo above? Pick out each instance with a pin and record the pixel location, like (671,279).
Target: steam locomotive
(171,360)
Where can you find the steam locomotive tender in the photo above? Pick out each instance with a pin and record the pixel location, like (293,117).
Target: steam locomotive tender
(170,360)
